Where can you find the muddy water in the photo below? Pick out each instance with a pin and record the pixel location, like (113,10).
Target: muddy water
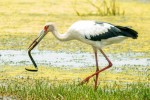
(78,59)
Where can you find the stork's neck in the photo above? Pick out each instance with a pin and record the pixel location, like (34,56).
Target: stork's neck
(61,37)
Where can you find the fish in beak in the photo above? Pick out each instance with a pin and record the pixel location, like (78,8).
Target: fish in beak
(33,45)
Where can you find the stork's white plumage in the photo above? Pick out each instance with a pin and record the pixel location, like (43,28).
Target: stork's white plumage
(96,34)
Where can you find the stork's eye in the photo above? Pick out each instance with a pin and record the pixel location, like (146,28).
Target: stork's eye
(45,28)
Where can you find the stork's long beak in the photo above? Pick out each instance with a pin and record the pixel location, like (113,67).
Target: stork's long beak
(32,45)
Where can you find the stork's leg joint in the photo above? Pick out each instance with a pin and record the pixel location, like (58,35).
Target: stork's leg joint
(110,64)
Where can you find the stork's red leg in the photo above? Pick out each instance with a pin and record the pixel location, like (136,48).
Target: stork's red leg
(109,65)
(97,68)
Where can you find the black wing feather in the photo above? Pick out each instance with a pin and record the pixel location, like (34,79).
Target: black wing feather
(113,31)
(128,32)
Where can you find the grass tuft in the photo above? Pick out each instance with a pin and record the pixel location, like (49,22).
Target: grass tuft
(102,8)
(45,89)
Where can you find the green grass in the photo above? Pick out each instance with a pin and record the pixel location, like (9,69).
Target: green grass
(62,84)
(45,89)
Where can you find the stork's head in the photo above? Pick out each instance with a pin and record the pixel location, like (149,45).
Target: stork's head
(49,27)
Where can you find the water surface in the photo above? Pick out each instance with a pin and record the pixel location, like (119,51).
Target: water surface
(78,59)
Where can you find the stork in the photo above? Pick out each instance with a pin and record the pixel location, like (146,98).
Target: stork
(97,34)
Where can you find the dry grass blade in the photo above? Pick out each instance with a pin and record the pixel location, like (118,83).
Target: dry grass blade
(103,8)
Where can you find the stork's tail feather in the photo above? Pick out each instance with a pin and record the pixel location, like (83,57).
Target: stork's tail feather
(128,32)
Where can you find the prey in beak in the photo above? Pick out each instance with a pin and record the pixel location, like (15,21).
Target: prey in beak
(33,45)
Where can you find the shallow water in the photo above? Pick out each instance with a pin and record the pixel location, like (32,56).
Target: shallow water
(78,59)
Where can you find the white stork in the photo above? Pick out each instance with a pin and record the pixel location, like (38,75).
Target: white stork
(96,34)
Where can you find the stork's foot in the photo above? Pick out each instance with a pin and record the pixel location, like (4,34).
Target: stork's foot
(32,70)
(86,80)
